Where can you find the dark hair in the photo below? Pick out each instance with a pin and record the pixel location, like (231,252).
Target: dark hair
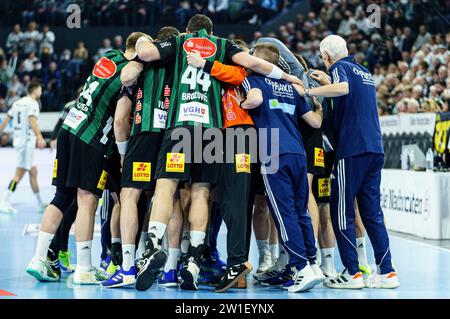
(166,32)
(302,61)
(198,22)
(33,86)
(268,52)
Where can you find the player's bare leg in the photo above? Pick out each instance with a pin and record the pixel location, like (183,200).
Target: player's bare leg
(326,241)
(261,228)
(35,187)
(360,233)
(273,241)
(5,205)
(84,232)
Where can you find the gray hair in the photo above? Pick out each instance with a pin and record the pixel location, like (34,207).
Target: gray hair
(335,46)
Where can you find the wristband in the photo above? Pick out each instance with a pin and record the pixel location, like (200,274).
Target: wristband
(122,147)
(141,39)
(276,73)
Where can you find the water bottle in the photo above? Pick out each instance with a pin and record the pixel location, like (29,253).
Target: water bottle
(429,160)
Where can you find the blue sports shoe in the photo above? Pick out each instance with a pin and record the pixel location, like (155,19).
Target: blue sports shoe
(121,278)
(212,269)
(168,279)
(104,263)
(284,277)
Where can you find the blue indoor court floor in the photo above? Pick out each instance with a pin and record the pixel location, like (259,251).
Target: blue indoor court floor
(423,269)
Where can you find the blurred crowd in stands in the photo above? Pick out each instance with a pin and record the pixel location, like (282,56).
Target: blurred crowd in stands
(408,54)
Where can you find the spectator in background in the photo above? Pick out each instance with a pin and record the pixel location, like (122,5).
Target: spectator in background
(80,55)
(313,56)
(183,13)
(16,86)
(11,97)
(47,39)
(106,46)
(422,38)
(250,12)
(37,75)
(15,39)
(269,9)
(28,62)
(52,83)
(31,39)
(6,74)
(218,10)
(118,43)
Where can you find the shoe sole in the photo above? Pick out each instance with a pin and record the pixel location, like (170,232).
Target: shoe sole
(392,286)
(147,274)
(123,285)
(187,282)
(248,269)
(308,286)
(169,285)
(37,275)
(344,287)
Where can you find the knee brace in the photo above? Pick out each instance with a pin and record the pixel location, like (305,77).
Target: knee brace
(63,198)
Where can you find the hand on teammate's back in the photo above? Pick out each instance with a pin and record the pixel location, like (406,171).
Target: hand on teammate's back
(195,59)
(320,77)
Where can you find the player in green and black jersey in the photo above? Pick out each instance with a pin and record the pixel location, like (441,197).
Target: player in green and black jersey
(80,170)
(150,102)
(195,102)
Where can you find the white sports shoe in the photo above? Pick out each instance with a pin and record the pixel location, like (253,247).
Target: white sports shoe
(265,262)
(345,281)
(329,273)
(189,275)
(385,281)
(304,279)
(41,270)
(318,272)
(92,276)
(5,207)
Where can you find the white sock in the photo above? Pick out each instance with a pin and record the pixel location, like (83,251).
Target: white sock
(38,197)
(318,256)
(6,196)
(116,240)
(263,247)
(327,258)
(172,259)
(84,255)
(274,252)
(185,241)
(283,259)
(361,249)
(43,243)
(158,229)
(197,237)
(128,254)
(142,240)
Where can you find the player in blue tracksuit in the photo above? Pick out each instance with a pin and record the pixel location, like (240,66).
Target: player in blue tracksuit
(275,107)
(358,164)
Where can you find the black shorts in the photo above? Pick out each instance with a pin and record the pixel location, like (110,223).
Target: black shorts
(321,185)
(79,165)
(175,164)
(257,181)
(312,139)
(140,160)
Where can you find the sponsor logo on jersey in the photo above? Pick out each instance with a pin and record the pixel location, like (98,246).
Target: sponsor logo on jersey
(55,168)
(74,118)
(242,163)
(138,118)
(104,68)
(195,112)
(141,172)
(159,118)
(102,181)
(323,185)
(319,157)
(274,104)
(175,162)
(204,46)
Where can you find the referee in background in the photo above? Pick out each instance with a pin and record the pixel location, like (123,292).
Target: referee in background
(358,164)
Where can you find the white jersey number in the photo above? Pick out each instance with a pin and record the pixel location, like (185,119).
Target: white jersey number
(194,76)
(88,90)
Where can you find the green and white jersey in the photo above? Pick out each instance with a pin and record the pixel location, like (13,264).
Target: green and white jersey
(151,98)
(196,97)
(91,119)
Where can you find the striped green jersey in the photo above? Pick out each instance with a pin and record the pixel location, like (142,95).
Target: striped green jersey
(196,97)
(151,98)
(91,119)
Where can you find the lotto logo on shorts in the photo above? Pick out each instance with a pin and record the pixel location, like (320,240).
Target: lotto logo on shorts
(55,167)
(141,172)
(242,163)
(175,162)
(319,157)
(324,187)
(102,181)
